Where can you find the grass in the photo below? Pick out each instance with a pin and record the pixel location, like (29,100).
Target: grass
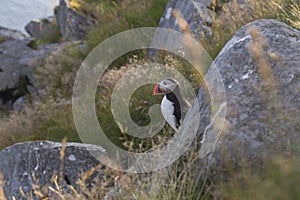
(129,14)
(39,121)
(51,117)
(278,180)
(290,12)
(57,75)
(140,102)
(232,19)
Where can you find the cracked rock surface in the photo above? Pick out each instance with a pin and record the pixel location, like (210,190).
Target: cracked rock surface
(25,164)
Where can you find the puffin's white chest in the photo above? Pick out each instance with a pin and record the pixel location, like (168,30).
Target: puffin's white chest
(167,110)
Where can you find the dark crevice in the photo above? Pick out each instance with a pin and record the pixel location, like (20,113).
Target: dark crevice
(217,9)
(33,44)
(13,94)
(68,181)
(7,96)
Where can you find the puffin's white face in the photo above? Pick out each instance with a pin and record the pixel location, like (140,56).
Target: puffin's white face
(165,86)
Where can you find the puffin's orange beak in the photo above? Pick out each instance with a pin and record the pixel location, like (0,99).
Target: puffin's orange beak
(156,90)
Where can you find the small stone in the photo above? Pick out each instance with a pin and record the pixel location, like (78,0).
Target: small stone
(72,157)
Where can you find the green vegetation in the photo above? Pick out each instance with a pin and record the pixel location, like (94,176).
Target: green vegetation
(290,12)
(225,26)
(34,44)
(113,19)
(278,180)
(51,116)
(2,39)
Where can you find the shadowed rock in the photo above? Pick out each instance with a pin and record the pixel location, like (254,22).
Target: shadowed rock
(45,29)
(17,57)
(72,24)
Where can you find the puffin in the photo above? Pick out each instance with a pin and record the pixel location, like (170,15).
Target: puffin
(173,105)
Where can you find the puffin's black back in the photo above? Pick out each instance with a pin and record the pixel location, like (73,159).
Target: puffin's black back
(177,109)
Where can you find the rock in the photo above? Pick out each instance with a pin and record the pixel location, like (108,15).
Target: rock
(260,71)
(72,24)
(14,76)
(196,14)
(192,17)
(17,58)
(25,164)
(6,33)
(19,104)
(45,29)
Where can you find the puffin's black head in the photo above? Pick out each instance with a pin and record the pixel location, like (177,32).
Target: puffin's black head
(165,86)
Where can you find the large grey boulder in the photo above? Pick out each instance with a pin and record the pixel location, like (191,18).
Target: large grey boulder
(72,23)
(260,70)
(35,163)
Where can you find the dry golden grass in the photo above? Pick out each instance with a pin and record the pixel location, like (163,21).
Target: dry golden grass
(278,180)
(256,49)
(57,74)
(289,12)
(41,120)
(232,17)
(2,184)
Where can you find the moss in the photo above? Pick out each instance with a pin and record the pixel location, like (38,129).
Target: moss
(54,38)
(2,39)
(149,17)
